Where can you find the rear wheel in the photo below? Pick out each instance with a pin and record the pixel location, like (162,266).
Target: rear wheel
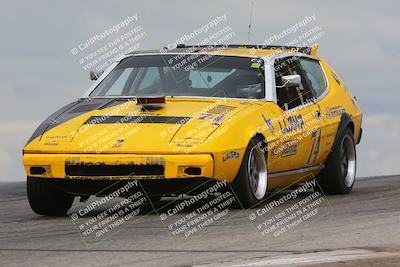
(250,184)
(45,199)
(339,174)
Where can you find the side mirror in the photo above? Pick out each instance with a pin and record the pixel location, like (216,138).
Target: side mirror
(290,80)
(94,75)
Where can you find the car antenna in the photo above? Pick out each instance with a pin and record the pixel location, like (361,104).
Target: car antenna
(251,16)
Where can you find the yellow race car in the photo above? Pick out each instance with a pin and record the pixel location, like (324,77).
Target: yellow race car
(257,118)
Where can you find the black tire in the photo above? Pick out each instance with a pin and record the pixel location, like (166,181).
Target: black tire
(242,186)
(45,199)
(338,176)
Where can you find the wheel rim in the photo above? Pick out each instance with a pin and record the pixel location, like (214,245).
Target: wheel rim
(257,172)
(348,161)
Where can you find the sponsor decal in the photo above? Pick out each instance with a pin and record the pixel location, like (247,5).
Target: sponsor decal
(290,148)
(268,122)
(334,112)
(313,133)
(56,137)
(256,63)
(204,116)
(51,144)
(184,145)
(230,155)
(216,119)
(220,109)
(213,117)
(318,114)
(118,143)
(291,124)
(149,112)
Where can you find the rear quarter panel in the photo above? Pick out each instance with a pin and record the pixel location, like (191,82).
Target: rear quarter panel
(337,101)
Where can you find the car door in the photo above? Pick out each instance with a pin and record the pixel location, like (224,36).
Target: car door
(299,121)
(318,83)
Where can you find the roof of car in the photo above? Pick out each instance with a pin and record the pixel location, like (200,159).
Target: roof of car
(256,51)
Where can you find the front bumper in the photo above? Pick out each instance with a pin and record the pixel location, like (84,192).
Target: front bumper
(102,166)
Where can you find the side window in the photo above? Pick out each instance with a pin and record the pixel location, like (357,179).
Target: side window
(288,97)
(315,75)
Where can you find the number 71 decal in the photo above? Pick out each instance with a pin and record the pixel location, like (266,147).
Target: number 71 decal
(316,141)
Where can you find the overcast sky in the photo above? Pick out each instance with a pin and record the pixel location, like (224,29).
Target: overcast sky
(39,74)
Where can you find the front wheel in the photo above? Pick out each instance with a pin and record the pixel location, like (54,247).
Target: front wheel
(339,174)
(46,199)
(250,184)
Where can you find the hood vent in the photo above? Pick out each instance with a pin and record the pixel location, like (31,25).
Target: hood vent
(151,103)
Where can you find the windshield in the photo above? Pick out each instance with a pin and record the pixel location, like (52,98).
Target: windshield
(185,75)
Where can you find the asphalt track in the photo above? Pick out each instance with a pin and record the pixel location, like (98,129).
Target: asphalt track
(360,229)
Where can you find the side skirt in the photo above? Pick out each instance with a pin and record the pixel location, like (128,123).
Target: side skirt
(297,171)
